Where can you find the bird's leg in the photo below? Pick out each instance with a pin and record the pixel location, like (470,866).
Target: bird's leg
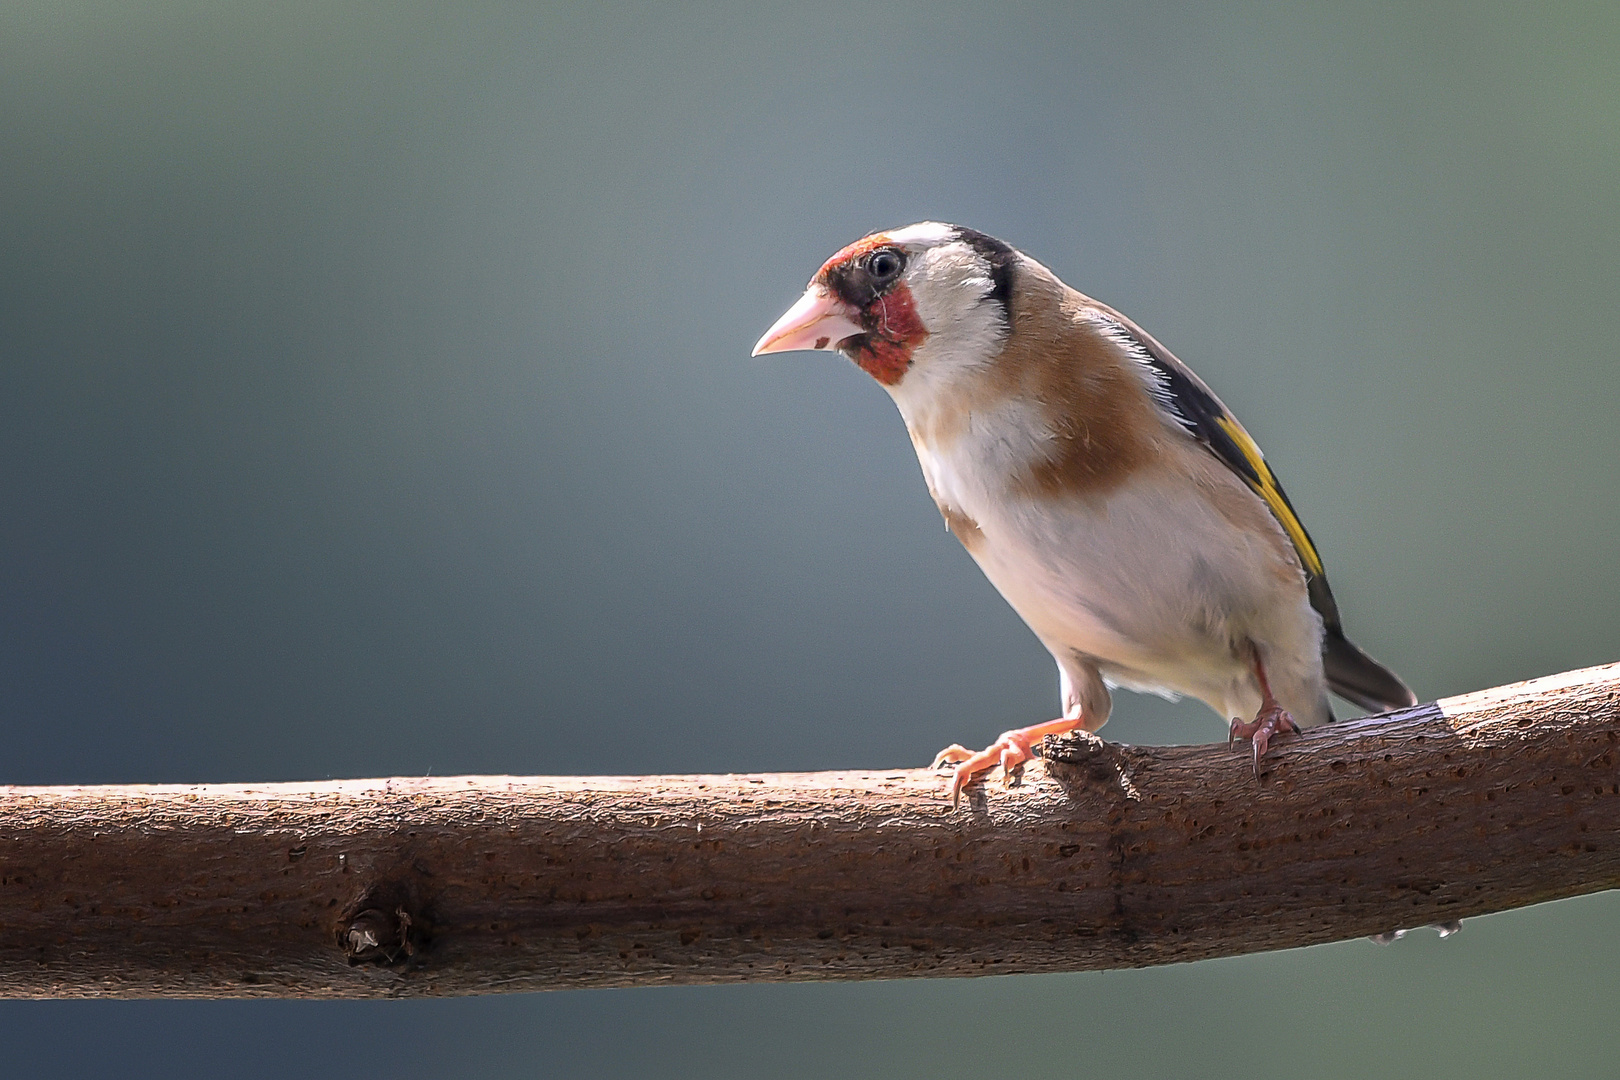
(1272,719)
(1011,750)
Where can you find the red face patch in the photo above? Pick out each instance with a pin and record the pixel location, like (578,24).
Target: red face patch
(893,328)
(894,332)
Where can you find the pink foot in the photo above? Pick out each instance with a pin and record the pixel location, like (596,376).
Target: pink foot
(1272,719)
(1009,751)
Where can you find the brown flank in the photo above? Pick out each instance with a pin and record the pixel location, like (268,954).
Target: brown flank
(1105,427)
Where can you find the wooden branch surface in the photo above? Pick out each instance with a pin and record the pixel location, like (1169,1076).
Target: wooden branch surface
(1116,856)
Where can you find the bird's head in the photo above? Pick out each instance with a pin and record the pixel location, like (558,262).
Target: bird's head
(894,300)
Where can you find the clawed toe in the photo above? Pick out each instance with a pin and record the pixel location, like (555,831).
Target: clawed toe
(1010,751)
(1272,720)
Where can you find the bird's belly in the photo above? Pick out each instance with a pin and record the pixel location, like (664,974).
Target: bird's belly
(1153,586)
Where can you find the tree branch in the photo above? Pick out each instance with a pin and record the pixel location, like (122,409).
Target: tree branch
(1107,856)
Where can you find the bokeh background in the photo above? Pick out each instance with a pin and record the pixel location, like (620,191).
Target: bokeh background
(375,399)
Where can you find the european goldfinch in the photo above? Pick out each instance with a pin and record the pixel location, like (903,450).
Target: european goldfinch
(1116,504)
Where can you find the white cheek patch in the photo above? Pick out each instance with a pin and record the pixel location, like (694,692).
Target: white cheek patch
(948,283)
(950,286)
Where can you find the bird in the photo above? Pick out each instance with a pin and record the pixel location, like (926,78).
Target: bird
(1112,499)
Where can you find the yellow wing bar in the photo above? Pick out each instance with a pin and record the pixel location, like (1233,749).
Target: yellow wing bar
(1265,486)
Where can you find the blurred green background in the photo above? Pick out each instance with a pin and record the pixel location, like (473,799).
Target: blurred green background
(375,399)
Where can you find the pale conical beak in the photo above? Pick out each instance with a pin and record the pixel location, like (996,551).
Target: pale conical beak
(818,321)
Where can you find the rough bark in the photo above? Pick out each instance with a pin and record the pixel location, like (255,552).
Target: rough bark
(1106,856)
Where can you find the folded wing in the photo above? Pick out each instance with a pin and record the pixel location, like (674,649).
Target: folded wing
(1351,673)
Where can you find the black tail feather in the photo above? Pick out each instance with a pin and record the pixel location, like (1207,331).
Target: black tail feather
(1357,677)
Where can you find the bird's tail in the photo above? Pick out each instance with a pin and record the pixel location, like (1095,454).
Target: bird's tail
(1357,677)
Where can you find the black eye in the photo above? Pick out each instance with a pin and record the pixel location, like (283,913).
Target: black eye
(885,265)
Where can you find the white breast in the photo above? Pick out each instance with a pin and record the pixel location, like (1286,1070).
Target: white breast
(1149,580)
